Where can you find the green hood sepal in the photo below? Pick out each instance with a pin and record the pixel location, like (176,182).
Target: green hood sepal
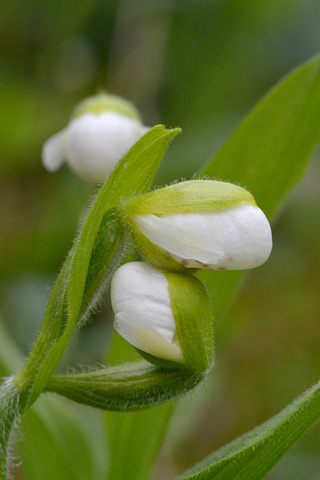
(189,196)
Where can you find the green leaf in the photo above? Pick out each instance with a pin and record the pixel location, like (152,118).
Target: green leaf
(133,175)
(253,455)
(135,440)
(54,321)
(10,355)
(109,243)
(268,153)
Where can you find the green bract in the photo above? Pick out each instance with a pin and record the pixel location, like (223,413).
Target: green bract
(133,386)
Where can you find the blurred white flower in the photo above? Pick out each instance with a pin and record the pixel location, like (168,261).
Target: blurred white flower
(234,238)
(94,141)
(143,313)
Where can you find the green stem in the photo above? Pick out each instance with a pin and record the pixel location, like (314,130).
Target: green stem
(9,411)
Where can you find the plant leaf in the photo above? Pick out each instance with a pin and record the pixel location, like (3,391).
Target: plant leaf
(136,437)
(133,175)
(10,355)
(268,153)
(253,455)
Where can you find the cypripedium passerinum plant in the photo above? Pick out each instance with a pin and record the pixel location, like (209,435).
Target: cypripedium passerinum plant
(101,130)
(163,310)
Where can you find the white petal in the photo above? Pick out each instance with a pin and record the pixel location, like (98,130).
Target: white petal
(95,143)
(181,235)
(236,238)
(52,151)
(142,307)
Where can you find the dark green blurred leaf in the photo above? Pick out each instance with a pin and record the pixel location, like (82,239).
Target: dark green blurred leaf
(10,355)
(62,443)
(135,440)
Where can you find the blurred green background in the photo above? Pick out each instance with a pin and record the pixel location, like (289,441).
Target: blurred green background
(200,65)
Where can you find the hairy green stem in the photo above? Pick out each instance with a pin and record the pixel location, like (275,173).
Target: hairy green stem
(9,413)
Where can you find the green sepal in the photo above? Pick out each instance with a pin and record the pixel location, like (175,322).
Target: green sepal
(126,387)
(189,196)
(192,312)
(105,102)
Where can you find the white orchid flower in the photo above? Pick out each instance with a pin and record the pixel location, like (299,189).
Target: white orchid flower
(234,239)
(143,313)
(104,129)
(219,226)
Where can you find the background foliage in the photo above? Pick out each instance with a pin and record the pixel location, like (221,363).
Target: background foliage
(199,65)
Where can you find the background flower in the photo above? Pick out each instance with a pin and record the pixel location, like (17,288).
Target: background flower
(96,139)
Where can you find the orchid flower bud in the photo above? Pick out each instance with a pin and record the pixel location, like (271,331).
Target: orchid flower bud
(166,316)
(200,224)
(102,129)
